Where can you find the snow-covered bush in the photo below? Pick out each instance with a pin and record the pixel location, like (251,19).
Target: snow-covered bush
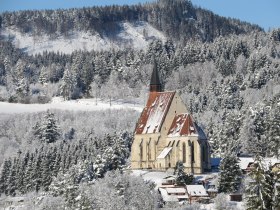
(118,191)
(221,202)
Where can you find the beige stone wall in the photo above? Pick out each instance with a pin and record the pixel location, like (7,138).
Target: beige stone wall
(177,153)
(149,150)
(198,166)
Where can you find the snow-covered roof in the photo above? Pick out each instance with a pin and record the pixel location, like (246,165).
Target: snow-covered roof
(154,113)
(183,196)
(196,190)
(183,125)
(270,161)
(174,190)
(166,197)
(164,152)
(244,162)
(212,190)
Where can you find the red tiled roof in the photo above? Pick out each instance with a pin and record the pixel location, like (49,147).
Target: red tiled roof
(152,116)
(182,125)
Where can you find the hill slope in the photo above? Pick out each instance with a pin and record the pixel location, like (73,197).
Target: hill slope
(101,28)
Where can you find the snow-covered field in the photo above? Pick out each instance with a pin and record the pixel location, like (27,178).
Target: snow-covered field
(72,105)
(132,35)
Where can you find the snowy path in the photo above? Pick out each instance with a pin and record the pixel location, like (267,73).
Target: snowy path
(73,105)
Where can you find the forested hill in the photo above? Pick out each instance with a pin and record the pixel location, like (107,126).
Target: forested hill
(231,84)
(226,71)
(177,19)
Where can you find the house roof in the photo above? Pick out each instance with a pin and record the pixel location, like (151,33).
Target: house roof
(166,197)
(184,125)
(154,113)
(244,162)
(174,190)
(196,190)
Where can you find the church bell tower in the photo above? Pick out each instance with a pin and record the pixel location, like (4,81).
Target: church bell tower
(155,84)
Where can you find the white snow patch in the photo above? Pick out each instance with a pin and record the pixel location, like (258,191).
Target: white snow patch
(135,35)
(154,176)
(164,152)
(72,105)
(196,190)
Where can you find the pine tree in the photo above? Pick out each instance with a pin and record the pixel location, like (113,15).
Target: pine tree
(68,85)
(36,173)
(43,76)
(258,190)
(27,179)
(11,181)
(274,131)
(48,130)
(181,177)
(230,174)
(4,175)
(46,173)
(65,184)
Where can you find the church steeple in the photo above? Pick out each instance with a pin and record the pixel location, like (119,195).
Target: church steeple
(155,84)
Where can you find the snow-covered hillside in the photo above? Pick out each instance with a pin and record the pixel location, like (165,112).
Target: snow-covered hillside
(132,35)
(73,105)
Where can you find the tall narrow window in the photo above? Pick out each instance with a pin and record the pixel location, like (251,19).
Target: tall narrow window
(203,153)
(192,152)
(206,153)
(141,150)
(149,150)
(184,153)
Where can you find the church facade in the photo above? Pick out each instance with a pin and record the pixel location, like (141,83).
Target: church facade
(166,133)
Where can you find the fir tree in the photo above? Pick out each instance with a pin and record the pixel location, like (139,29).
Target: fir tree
(11,182)
(274,131)
(48,130)
(181,177)
(230,174)
(4,176)
(46,173)
(258,190)
(27,179)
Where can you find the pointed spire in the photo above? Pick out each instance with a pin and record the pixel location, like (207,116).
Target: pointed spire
(155,84)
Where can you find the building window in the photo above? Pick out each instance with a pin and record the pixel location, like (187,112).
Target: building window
(203,153)
(184,153)
(149,150)
(192,152)
(141,150)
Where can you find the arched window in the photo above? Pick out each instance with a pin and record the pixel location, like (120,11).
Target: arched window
(184,153)
(192,152)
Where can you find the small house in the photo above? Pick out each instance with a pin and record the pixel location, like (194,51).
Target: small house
(196,192)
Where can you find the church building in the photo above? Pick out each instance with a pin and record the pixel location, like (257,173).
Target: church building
(166,133)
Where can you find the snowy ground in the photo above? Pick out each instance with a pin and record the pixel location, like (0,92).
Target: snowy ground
(154,176)
(135,35)
(72,105)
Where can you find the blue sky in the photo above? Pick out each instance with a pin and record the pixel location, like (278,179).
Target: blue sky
(261,12)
